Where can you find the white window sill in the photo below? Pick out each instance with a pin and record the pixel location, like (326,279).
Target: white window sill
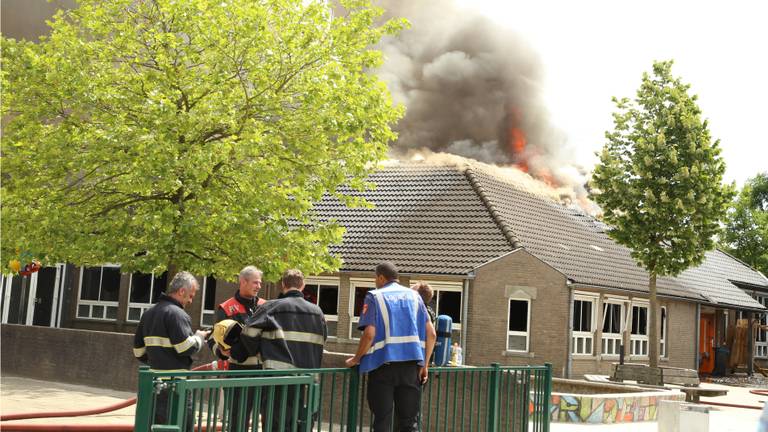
(524,354)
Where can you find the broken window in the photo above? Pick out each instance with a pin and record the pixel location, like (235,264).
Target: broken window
(517,325)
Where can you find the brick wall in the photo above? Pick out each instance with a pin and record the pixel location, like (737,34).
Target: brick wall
(488,309)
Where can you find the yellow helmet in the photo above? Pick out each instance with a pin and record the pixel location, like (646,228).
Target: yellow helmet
(226,332)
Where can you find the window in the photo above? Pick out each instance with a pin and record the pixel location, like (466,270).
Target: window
(324,292)
(638,339)
(447,301)
(99,288)
(583,328)
(613,317)
(761,343)
(209,301)
(359,288)
(144,290)
(518,324)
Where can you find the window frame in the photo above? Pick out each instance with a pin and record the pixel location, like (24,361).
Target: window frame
(639,340)
(526,333)
(203,311)
(761,347)
(355,283)
(92,304)
(664,320)
(605,337)
(445,286)
(328,280)
(143,307)
(583,335)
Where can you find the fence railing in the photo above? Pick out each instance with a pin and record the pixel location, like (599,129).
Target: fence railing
(488,399)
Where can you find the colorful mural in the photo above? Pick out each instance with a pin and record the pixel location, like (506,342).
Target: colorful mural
(608,408)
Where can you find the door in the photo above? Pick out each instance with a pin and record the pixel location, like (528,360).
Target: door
(44,288)
(707,343)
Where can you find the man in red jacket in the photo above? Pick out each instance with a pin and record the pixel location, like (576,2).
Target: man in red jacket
(239,308)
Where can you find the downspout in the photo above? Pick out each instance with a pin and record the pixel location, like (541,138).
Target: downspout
(569,343)
(464,318)
(696,339)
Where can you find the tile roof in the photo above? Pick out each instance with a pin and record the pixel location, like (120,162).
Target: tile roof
(426,220)
(451,219)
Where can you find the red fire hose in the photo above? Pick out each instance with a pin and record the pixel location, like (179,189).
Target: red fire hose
(64,427)
(37,415)
(757,392)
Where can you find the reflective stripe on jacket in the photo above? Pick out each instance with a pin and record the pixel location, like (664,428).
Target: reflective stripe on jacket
(164,338)
(285,333)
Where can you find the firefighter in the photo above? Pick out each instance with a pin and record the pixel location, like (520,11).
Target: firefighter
(164,338)
(234,313)
(286,333)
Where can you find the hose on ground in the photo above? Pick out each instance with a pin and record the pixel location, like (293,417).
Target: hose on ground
(93,411)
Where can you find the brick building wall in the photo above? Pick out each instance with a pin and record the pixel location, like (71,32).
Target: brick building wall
(489,305)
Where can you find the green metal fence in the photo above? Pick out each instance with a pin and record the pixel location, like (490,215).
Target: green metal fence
(487,399)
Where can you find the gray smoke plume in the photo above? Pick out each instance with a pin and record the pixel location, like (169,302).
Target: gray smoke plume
(469,86)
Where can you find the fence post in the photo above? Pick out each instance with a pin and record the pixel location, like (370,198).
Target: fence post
(142,420)
(493,398)
(354,400)
(547,396)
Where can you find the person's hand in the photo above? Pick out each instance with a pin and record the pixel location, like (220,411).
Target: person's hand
(352,361)
(203,334)
(226,353)
(424,375)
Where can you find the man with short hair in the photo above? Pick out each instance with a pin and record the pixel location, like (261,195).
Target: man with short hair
(285,333)
(239,308)
(398,337)
(164,338)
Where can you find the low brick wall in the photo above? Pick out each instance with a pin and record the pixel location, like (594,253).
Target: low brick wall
(85,357)
(609,408)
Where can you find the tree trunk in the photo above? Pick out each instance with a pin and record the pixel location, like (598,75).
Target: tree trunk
(653,320)
(171,272)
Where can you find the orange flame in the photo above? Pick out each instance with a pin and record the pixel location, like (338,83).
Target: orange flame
(517,143)
(516,140)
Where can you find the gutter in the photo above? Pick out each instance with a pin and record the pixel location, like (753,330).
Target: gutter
(569,331)
(465,315)
(696,338)
(610,288)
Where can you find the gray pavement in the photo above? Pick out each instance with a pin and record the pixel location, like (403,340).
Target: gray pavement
(20,395)
(24,395)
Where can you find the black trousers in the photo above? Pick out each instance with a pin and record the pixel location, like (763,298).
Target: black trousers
(301,421)
(395,387)
(162,410)
(238,394)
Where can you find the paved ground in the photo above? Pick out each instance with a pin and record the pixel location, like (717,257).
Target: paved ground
(23,395)
(19,395)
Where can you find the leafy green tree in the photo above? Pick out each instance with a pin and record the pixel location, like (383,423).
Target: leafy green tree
(191,134)
(746,228)
(659,182)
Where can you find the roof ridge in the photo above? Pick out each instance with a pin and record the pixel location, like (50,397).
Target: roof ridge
(740,262)
(506,230)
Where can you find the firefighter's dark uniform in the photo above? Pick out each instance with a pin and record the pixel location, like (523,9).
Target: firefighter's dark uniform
(166,342)
(286,333)
(238,308)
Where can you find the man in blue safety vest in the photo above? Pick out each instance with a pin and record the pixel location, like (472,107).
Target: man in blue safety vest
(397,338)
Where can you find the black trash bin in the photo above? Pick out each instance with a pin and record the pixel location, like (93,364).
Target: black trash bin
(722,353)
